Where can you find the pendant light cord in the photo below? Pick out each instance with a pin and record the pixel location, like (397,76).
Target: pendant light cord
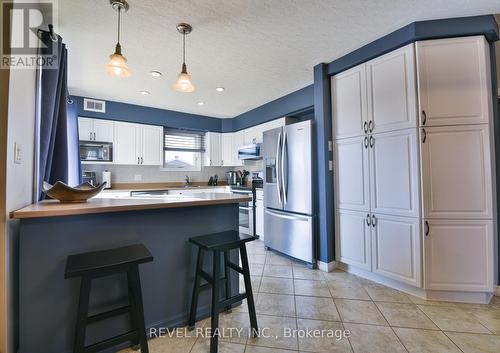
(119,13)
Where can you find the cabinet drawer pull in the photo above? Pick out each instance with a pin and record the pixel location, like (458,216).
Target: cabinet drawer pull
(374,221)
(368,219)
(424,135)
(366,141)
(365,127)
(372,141)
(427,228)
(138,160)
(424,117)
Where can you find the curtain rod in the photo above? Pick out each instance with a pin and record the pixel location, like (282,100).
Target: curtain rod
(54,36)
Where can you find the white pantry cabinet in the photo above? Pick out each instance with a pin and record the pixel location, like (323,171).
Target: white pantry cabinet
(456,172)
(349,103)
(396,249)
(213,150)
(353,241)
(458,255)
(394,171)
(137,144)
(391,91)
(90,129)
(454,81)
(352,174)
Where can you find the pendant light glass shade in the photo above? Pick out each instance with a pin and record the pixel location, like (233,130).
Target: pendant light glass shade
(117,65)
(184,83)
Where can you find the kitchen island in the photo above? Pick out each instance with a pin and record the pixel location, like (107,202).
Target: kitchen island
(50,231)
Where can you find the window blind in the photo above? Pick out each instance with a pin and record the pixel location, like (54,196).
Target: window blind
(183,140)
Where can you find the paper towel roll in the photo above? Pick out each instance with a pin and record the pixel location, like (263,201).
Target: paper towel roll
(106,177)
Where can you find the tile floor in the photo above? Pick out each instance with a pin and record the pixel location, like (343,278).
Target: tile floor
(379,319)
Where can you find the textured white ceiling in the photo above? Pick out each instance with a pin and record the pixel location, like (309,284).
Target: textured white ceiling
(258,50)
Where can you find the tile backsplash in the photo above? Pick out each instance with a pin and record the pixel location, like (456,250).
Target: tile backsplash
(153,174)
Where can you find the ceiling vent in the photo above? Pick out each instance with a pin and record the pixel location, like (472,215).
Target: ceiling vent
(94,105)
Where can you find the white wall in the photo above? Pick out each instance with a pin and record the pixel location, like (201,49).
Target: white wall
(19,183)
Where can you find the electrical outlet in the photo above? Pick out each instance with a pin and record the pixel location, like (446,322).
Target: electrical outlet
(18,153)
(137,177)
(330,165)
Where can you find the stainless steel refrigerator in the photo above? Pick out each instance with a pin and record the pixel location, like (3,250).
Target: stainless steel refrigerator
(288,197)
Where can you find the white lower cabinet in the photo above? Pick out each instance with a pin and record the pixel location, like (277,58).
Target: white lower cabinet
(353,238)
(396,248)
(458,255)
(259,218)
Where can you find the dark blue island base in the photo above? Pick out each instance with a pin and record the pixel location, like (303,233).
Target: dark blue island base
(48,302)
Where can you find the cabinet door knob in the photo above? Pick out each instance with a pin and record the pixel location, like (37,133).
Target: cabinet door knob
(424,117)
(142,161)
(138,159)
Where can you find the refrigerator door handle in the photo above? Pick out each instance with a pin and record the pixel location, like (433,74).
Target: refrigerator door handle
(284,167)
(286,215)
(277,163)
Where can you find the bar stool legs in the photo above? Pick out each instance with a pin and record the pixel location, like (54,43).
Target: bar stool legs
(81,321)
(134,281)
(214,341)
(248,290)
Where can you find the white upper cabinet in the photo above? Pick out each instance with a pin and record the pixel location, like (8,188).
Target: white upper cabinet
(151,145)
(137,144)
(349,106)
(125,147)
(85,129)
(213,149)
(238,140)
(454,81)
(95,129)
(459,255)
(396,248)
(394,173)
(252,135)
(103,130)
(352,174)
(456,172)
(353,238)
(391,91)
(226,149)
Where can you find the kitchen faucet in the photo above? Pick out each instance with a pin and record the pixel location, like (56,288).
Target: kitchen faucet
(188,182)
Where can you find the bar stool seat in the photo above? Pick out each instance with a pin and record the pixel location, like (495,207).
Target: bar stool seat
(218,243)
(96,264)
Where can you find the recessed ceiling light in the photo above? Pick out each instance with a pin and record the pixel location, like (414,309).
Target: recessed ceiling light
(220,89)
(145,93)
(201,103)
(155,73)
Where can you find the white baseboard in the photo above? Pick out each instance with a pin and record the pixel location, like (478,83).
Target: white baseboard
(327,267)
(497,291)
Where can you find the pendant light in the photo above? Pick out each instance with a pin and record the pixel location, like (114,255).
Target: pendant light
(117,65)
(184,83)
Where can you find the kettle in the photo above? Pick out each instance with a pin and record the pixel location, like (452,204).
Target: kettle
(231,178)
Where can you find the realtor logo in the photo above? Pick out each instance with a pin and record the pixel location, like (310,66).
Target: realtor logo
(23,49)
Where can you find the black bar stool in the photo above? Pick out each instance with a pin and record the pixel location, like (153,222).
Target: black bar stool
(96,264)
(217,243)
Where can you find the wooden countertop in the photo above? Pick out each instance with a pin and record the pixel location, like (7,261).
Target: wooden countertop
(53,208)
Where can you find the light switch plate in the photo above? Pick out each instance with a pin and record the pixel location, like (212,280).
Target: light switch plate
(330,165)
(330,145)
(18,153)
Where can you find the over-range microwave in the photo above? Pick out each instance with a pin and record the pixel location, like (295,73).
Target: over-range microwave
(93,151)
(250,151)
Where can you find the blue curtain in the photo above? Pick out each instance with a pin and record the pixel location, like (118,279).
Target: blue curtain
(58,139)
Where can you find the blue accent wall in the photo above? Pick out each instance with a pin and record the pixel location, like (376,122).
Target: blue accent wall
(323,176)
(444,28)
(295,102)
(154,116)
